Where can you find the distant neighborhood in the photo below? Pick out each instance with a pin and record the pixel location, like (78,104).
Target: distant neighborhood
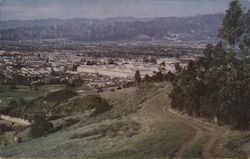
(96,69)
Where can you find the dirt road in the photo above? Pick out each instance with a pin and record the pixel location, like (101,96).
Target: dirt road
(201,129)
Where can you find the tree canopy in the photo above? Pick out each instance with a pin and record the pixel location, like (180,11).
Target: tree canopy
(137,77)
(218,84)
(232,27)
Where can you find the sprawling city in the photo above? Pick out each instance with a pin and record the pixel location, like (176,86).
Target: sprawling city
(124,79)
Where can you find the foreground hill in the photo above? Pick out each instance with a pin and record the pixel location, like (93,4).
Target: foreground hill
(139,125)
(197,28)
(136,127)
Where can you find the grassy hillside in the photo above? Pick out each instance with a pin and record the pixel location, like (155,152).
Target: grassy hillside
(130,123)
(26,92)
(136,127)
(161,135)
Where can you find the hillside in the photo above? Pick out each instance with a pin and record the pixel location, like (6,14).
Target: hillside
(126,131)
(197,28)
(139,125)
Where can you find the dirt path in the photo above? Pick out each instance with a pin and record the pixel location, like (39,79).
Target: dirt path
(201,129)
(193,138)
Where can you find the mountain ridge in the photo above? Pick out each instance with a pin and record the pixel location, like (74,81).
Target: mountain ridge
(194,28)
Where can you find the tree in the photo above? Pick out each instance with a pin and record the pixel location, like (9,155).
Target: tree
(163,64)
(221,90)
(146,78)
(232,27)
(235,104)
(245,45)
(53,72)
(158,77)
(218,84)
(177,97)
(137,77)
(2,78)
(170,76)
(153,60)
(74,68)
(208,51)
(177,68)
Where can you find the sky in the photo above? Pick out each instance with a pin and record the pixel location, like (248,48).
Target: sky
(65,9)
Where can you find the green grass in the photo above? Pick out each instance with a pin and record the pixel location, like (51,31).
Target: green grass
(161,144)
(196,149)
(26,93)
(160,137)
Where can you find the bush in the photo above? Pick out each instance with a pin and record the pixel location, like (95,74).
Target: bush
(40,126)
(61,107)
(89,102)
(4,128)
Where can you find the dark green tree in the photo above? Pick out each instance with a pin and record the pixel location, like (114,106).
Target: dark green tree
(218,87)
(178,68)
(138,77)
(232,27)
(245,45)
(153,60)
(146,78)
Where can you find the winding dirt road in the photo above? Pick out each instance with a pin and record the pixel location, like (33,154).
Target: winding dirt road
(200,129)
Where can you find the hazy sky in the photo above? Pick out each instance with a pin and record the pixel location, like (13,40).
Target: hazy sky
(64,9)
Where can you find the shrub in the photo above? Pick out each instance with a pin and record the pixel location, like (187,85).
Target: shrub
(40,126)
(89,102)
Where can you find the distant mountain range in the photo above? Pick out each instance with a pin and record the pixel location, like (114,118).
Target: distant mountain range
(197,28)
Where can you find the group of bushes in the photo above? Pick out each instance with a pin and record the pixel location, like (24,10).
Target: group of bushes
(159,77)
(90,102)
(41,126)
(52,106)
